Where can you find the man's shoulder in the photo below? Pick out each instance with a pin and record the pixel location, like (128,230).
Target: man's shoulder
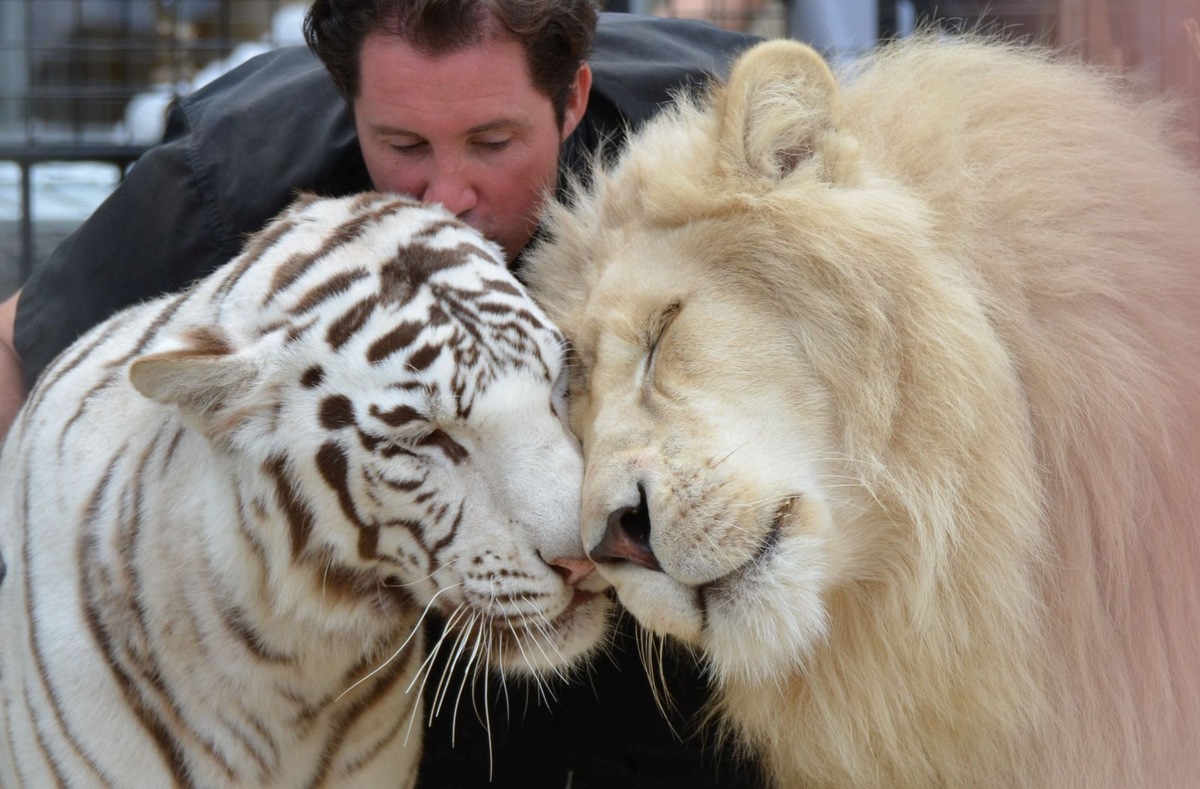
(270,127)
(263,83)
(651,40)
(638,62)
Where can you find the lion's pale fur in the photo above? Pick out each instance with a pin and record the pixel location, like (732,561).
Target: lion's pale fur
(982,266)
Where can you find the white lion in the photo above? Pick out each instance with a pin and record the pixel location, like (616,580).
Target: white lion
(890,402)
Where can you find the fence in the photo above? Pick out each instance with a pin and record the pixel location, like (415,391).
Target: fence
(88,82)
(83,90)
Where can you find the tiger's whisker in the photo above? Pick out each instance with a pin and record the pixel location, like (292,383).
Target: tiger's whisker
(461,637)
(470,672)
(416,629)
(487,705)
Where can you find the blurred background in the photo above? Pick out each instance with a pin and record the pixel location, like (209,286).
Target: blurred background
(84,84)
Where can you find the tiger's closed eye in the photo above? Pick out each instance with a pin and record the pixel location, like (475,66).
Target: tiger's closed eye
(442,440)
(407,430)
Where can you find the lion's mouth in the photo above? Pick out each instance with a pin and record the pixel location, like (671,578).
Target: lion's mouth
(766,548)
(783,513)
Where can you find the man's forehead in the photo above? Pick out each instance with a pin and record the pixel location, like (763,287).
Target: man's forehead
(388,129)
(470,90)
(388,59)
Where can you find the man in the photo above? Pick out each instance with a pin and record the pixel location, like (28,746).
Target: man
(477,104)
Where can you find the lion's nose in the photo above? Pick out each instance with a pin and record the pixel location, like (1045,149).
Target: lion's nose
(627,536)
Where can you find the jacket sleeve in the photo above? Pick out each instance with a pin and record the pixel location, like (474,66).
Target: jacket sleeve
(233,155)
(145,239)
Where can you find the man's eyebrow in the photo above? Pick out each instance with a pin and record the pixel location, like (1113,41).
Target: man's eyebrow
(499,123)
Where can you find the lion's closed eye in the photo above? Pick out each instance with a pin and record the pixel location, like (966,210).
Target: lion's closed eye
(656,330)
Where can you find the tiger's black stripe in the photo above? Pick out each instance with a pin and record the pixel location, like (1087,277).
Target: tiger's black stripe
(312,377)
(395,340)
(381,688)
(298,264)
(336,412)
(58,372)
(344,328)
(412,268)
(390,735)
(151,333)
(455,452)
(335,470)
(152,673)
(42,672)
(398,416)
(421,359)
(331,288)
(255,546)
(65,433)
(259,245)
(167,746)
(180,433)
(163,316)
(38,651)
(250,746)
(299,516)
(433,228)
(234,620)
(43,746)
(444,543)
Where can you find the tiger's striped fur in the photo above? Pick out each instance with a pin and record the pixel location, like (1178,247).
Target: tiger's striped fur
(223,513)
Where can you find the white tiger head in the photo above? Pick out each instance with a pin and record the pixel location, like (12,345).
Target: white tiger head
(400,401)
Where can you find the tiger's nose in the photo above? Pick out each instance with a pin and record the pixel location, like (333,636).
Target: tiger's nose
(627,536)
(572,571)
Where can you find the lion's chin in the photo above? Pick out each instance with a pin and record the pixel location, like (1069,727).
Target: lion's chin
(762,625)
(758,625)
(658,601)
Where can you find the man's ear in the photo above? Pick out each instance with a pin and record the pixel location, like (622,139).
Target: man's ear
(578,100)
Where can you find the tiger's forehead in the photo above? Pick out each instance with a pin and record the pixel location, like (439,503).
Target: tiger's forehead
(336,262)
(426,301)
(404,244)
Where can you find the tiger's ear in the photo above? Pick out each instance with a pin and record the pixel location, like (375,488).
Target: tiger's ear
(780,109)
(199,373)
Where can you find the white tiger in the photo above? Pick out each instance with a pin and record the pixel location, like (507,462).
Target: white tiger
(223,513)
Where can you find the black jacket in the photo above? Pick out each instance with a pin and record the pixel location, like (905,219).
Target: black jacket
(233,155)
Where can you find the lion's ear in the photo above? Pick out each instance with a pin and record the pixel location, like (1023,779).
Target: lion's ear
(781,108)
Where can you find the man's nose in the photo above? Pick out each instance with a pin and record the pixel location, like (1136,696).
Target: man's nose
(450,185)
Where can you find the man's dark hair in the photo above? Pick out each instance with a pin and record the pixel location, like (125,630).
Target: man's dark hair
(555,34)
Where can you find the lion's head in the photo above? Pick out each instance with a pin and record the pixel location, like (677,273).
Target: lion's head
(771,411)
(812,411)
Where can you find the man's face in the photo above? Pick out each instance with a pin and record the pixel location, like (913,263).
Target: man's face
(465,129)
